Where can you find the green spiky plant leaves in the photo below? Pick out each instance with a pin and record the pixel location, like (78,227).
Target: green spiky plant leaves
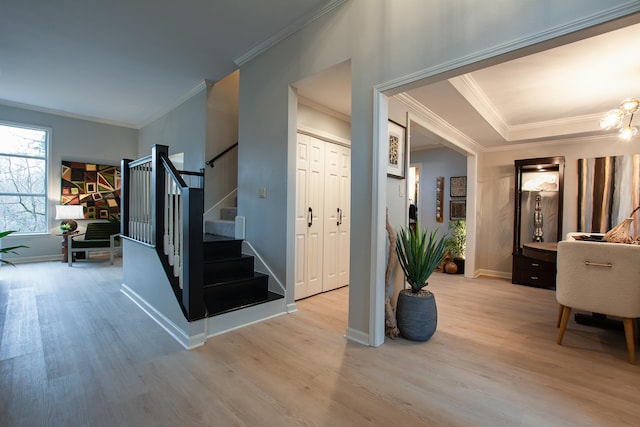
(9,250)
(420,253)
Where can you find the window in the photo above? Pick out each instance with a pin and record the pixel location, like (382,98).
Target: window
(23,178)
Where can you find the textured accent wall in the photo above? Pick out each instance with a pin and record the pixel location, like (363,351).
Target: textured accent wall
(608,190)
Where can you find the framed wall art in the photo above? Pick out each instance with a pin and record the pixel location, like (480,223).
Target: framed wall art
(458,186)
(457,210)
(96,187)
(397,150)
(439,198)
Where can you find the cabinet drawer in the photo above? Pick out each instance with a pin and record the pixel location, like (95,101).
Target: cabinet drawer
(530,264)
(544,279)
(533,272)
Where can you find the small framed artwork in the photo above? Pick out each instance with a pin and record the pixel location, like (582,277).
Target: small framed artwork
(439,198)
(458,186)
(397,150)
(457,210)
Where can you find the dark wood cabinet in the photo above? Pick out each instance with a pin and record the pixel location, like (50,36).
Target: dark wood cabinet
(537,225)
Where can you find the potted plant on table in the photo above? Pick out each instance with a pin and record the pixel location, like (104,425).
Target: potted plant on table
(457,243)
(419,252)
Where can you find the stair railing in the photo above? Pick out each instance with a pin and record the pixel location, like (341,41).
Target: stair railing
(210,162)
(159,209)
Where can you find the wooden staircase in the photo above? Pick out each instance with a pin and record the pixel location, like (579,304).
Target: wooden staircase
(230,282)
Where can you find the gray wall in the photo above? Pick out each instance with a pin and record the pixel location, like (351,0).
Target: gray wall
(182,129)
(496,194)
(434,163)
(74,140)
(379,38)
(222,133)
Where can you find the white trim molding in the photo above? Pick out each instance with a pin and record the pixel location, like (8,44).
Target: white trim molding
(294,27)
(188,342)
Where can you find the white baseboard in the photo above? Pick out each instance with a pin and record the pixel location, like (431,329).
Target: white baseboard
(231,321)
(188,342)
(292,308)
(357,336)
(493,273)
(25,259)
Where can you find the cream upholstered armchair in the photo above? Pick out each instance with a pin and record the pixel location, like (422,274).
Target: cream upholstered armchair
(602,278)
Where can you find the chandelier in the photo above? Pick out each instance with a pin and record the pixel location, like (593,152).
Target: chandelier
(617,118)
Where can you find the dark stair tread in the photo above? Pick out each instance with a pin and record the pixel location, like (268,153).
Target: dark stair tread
(217,306)
(226,280)
(226,258)
(208,237)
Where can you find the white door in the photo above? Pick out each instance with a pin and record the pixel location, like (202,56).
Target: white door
(308,216)
(302,185)
(322,216)
(344,216)
(331,215)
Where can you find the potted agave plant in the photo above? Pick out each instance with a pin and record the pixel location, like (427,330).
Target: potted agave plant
(420,252)
(11,249)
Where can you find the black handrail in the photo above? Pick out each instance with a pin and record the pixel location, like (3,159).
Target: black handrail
(210,162)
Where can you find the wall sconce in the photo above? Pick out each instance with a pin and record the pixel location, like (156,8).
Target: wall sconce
(616,118)
(68,214)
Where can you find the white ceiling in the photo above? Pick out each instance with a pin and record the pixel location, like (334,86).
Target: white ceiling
(557,93)
(126,61)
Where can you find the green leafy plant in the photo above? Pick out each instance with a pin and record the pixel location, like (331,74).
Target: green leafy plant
(420,253)
(9,250)
(65,226)
(457,242)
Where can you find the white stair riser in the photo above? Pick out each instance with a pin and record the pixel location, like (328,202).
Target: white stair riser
(220,227)
(228,214)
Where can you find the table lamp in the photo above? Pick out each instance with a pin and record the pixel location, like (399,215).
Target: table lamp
(68,214)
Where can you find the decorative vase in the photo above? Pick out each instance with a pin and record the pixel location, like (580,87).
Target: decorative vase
(416,315)
(460,265)
(451,267)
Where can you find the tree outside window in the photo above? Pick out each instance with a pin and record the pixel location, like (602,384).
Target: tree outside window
(23,183)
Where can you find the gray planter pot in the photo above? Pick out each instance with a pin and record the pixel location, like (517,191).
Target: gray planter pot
(416,315)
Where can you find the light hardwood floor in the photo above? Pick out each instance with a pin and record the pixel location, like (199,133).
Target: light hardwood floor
(77,352)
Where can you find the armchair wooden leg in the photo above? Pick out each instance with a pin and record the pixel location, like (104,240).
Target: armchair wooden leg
(560,307)
(566,312)
(631,343)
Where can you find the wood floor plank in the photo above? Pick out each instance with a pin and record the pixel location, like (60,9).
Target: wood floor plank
(76,351)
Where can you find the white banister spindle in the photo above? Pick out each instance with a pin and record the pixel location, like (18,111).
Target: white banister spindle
(140,221)
(140,213)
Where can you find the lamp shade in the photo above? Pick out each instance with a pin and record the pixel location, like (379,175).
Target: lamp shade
(69,212)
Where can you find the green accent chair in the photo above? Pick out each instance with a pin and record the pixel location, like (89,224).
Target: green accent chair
(99,236)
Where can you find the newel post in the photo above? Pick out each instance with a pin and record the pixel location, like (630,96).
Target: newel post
(158,189)
(124,196)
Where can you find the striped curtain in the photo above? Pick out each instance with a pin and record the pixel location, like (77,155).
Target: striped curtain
(609,189)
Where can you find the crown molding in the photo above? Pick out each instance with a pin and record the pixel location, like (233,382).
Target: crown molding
(292,28)
(556,127)
(467,86)
(323,109)
(603,138)
(175,104)
(62,113)
(475,96)
(438,125)
(494,52)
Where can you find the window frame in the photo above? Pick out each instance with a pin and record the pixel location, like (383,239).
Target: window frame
(47,158)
